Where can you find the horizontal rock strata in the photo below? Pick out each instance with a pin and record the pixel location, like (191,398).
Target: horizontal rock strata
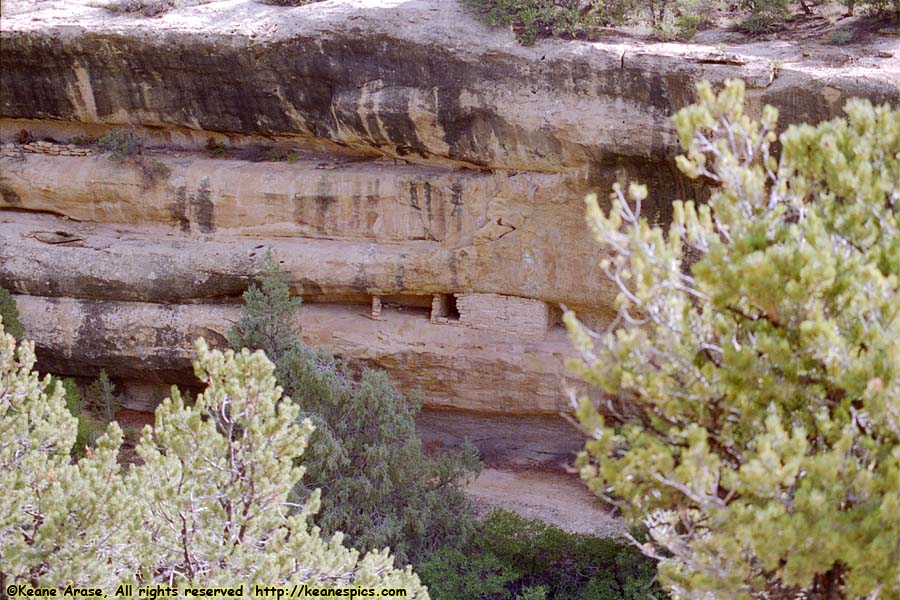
(420,176)
(416,79)
(362,228)
(456,367)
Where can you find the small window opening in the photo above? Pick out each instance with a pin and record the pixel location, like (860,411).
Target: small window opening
(443,308)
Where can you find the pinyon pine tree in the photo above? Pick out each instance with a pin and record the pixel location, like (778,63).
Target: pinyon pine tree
(379,486)
(752,416)
(208,506)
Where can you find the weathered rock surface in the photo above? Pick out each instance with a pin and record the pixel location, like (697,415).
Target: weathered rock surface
(363,226)
(511,442)
(434,162)
(418,79)
(553,498)
(456,366)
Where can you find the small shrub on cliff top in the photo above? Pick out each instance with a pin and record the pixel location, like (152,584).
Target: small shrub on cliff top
(291,2)
(148,8)
(753,421)
(876,7)
(531,19)
(765,16)
(151,8)
(223,519)
(379,486)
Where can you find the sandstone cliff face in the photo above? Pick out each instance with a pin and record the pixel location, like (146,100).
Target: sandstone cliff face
(436,166)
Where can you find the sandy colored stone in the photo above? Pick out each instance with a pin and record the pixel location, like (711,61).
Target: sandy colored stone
(509,314)
(419,79)
(361,228)
(505,441)
(456,368)
(558,499)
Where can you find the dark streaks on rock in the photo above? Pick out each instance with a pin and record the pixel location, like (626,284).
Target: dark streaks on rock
(203,208)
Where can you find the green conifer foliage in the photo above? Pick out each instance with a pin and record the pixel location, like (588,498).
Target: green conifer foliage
(9,315)
(208,506)
(753,374)
(102,398)
(379,486)
(268,320)
(88,429)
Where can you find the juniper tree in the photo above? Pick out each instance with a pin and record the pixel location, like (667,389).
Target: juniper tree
(208,506)
(9,312)
(267,320)
(379,486)
(102,398)
(752,376)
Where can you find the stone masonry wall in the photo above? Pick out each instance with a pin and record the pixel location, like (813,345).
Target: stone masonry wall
(507,314)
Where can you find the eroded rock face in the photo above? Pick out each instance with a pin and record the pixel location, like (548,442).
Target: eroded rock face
(366,227)
(434,163)
(416,79)
(412,79)
(458,366)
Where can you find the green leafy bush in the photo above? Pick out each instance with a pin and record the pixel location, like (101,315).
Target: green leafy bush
(121,143)
(687,25)
(208,506)
(765,16)
(380,487)
(455,574)
(753,416)
(876,7)
(96,408)
(9,315)
(677,20)
(268,318)
(509,557)
(87,430)
(531,19)
(669,19)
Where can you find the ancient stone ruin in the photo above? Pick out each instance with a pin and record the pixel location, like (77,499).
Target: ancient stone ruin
(423,182)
